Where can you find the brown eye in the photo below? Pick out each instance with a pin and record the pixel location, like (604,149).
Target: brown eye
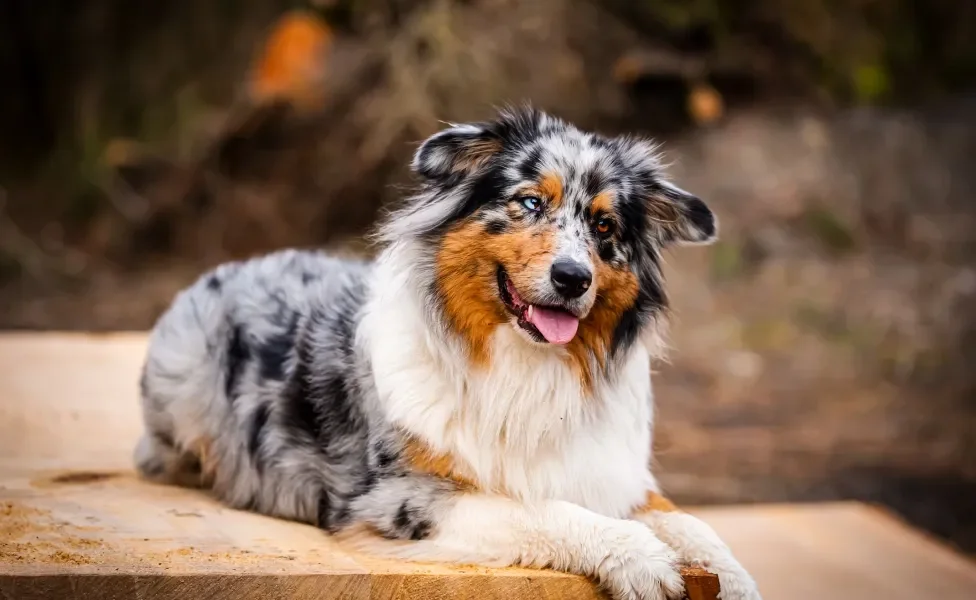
(605,227)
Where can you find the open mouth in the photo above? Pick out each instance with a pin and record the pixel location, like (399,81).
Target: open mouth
(550,324)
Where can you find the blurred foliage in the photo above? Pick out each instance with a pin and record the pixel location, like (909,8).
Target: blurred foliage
(851,51)
(85,73)
(833,234)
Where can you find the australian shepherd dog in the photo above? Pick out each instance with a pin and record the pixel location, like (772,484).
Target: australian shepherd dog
(480,393)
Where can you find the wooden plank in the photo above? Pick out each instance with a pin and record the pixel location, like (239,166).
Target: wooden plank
(841,551)
(76,523)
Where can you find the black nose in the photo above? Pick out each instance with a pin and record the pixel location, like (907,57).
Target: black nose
(570,278)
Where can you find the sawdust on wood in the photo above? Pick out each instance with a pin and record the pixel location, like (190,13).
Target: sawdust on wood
(31,535)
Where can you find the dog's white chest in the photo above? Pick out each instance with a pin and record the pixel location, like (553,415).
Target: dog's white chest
(525,427)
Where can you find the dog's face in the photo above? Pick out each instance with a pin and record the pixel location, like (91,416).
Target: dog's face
(549,230)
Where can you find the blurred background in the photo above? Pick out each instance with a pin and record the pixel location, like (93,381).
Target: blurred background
(825,348)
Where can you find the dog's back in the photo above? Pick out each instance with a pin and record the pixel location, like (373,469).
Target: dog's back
(220,362)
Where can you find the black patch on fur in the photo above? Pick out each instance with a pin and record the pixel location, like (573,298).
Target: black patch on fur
(368,482)
(649,299)
(273,353)
(343,419)
(238,354)
(324,518)
(299,414)
(496,226)
(627,328)
(594,183)
(164,438)
(345,317)
(402,519)
(308,278)
(407,524)
(518,127)
(578,210)
(340,517)
(529,169)
(700,216)
(633,219)
(599,141)
(255,434)
(385,458)
(421,530)
(606,251)
(486,189)
(214,284)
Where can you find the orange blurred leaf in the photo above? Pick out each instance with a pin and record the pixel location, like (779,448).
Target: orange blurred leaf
(705,104)
(291,65)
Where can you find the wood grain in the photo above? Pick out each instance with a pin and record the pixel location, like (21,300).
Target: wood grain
(76,523)
(109,532)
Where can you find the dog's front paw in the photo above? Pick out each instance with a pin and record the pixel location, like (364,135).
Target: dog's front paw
(697,545)
(737,584)
(638,566)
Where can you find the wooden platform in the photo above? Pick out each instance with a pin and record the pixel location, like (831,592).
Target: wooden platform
(76,523)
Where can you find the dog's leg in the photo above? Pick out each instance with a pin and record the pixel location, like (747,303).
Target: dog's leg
(696,543)
(157,459)
(472,528)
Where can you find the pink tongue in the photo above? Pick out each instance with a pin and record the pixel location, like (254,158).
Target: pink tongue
(558,327)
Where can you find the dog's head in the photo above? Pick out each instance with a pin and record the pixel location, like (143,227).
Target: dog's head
(536,225)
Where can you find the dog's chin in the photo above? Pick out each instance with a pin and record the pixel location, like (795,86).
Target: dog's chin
(544,325)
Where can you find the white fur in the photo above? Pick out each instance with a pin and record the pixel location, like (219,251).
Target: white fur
(564,468)
(696,543)
(524,427)
(623,556)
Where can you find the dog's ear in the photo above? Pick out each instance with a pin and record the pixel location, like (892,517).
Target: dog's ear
(674,215)
(449,157)
(465,148)
(457,150)
(682,217)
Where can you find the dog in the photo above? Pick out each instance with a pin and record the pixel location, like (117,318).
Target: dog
(480,393)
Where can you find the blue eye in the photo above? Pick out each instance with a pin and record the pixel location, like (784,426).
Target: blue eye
(532,203)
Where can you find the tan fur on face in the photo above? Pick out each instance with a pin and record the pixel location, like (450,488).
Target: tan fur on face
(616,291)
(551,188)
(466,274)
(602,204)
(655,502)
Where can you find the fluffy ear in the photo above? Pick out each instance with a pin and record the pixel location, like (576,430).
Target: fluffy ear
(682,216)
(455,151)
(676,216)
